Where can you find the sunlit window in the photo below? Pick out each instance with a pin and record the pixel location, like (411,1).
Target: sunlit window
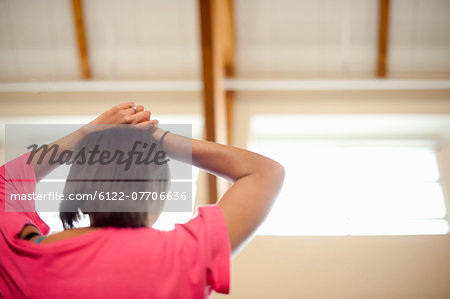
(350,186)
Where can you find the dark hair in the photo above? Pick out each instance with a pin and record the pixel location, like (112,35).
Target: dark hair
(114,179)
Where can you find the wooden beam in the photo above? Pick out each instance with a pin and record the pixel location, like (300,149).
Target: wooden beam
(213,75)
(81,39)
(229,103)
(227,32)
(383,35)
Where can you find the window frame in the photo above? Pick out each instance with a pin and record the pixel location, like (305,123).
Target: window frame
(249,104)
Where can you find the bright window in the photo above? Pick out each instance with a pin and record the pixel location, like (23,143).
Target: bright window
(344,184)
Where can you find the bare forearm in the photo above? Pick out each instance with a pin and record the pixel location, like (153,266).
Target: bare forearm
(225,161)
(257,180)
(124,113)
(41,164)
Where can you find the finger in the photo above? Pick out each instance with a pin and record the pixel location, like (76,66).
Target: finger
(136,109)
(139,108)
(126,105)
(145,126)
(150,122)
(129,111)
(139,117)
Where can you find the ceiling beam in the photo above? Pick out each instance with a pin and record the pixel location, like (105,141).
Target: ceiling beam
(227,31)
(81,39)
(231,85)
(213,71)
(217,60)
(227,34)
(335,85)
(383,35)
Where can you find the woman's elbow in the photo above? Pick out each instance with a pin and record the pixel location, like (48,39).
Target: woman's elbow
(279,173)
(275,173)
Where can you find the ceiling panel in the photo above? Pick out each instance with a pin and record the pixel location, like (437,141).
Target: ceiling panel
(143,39)
(420,36)
(155,39)
(291,38)
(37,40)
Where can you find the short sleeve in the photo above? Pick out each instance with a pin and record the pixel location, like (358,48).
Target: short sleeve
(208,230)
(17,177)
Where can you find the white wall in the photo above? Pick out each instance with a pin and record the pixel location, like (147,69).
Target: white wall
(343,267)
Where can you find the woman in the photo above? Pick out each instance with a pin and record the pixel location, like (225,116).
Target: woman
(126,258)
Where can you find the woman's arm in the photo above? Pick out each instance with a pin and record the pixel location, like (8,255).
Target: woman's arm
(257,180)
(119,114)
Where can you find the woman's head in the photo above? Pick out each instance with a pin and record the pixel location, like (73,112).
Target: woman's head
(114,177)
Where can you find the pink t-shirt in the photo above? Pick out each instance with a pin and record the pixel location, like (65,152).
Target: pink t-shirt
(187,262)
